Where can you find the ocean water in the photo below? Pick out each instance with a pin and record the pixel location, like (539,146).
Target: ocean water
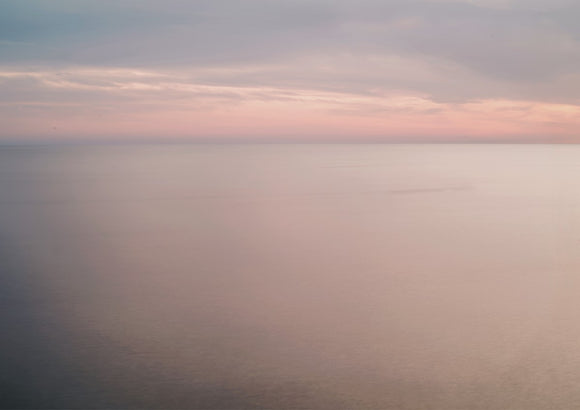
(290,277)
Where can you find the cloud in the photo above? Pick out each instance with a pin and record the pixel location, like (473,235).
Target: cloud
(362,58)
(135,104)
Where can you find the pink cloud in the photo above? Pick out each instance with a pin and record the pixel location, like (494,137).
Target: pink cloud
(133,104)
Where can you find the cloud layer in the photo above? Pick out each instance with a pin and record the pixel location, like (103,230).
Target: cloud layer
(342,69)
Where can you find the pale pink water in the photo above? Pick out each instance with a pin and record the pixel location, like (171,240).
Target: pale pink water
(290,276)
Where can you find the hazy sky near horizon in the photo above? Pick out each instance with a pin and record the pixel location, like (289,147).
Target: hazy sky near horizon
(498,70)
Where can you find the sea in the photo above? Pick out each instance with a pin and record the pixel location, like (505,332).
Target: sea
(290,276)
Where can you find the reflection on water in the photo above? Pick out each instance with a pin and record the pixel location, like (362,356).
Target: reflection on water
(290,276)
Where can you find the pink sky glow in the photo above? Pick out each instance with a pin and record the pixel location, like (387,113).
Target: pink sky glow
(132,108)
(309,70)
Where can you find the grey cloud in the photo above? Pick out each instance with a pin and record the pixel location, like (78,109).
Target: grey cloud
(144,33)
(478,49)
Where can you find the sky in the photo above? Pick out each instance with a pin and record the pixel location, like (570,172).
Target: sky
(299,70)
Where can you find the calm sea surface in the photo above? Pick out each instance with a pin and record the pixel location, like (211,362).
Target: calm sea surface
(290,277)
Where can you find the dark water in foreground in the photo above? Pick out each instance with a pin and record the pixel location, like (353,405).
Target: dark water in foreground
(290,276)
